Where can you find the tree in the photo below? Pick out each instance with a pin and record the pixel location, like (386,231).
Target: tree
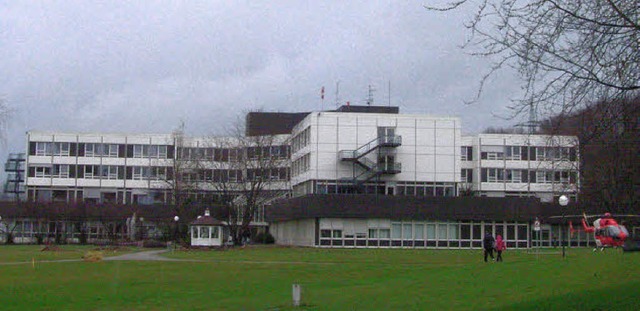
(5,113)
(609,146)
(179,180)
(568,52)
(248,172)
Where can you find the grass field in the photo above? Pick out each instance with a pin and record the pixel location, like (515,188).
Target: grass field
(332,279)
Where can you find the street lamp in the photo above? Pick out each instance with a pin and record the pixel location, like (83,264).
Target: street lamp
(563,201)
(175,233)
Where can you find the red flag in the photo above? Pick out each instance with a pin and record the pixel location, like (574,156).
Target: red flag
(322,93)
(347,104)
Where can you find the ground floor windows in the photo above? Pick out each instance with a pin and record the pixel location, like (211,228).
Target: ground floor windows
(429,189)
(432,234)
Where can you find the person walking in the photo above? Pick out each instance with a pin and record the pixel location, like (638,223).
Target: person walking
(500,246)
(488,244)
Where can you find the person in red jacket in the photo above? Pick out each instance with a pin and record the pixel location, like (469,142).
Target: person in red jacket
(500,246)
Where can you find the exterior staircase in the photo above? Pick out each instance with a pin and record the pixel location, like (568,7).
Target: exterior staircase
(370,168)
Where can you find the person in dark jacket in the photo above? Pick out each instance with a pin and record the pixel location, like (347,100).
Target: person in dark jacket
(500,246)
(488,244)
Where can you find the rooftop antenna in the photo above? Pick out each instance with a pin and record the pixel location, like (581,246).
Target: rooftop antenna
(389,93)
(533,119)
(532,124)
(337,94)
(370,96)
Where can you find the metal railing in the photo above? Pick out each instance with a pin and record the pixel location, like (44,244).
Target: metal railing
(382,141)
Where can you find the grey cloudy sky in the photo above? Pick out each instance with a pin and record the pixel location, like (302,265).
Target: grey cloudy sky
(113,66)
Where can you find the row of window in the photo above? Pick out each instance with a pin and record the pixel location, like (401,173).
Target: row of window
(153,173)
(517,153)
(522,176)
(155,151)
(301,140)
(301,165)
(430,231)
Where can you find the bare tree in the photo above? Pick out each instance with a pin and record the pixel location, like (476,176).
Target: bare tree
(5,113)
(179,180)
(568,52)
(609,147)
(248,172)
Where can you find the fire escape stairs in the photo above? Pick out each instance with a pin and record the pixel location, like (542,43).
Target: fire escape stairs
(370,168)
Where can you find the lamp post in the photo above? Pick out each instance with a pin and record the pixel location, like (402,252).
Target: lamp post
(563,201)
(175,232)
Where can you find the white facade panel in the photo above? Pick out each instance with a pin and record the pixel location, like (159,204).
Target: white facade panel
(138,162)
(88,182)
(36,181)
(137,184)
(114,139)
(89,161)
(64,160)
(112,183)
(70,138)
(69,182)
(87,138)
(113,161)
(39,160)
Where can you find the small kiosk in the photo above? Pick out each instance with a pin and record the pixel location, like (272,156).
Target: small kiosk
(207,231)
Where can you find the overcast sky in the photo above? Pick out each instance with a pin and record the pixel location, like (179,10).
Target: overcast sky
(112,66)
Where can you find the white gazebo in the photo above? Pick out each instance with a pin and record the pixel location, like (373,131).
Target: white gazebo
(207,231)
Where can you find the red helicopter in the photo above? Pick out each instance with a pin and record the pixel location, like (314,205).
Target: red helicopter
(606,231)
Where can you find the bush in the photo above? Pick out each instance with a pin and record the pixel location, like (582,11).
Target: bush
(153,244)
(264,238)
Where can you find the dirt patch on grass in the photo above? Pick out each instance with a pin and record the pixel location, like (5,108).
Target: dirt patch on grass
(52,248)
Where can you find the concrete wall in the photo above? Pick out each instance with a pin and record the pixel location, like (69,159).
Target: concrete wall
(294,232)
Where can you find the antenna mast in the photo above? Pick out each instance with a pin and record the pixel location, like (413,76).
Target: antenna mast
(337,94)
(370,96)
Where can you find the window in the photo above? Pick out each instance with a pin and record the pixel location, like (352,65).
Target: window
(109,172)
(91,171)
(514,176)
(337,234)
(466,175)
(60,171)
(419,232)
(162,152)
(373,233)
(396,231)
(140,173)
(158,173)
(140,151)
(111,150)
(406,232)
(43,149)
(466,153)
(90,150)
(61,149)
(492,175)
(325,233)
(513,153)
(42,171)
(384,233)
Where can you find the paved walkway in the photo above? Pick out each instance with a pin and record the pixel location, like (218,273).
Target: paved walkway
(155,256)
(143,256)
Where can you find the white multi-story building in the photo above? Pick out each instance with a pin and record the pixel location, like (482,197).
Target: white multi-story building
(136,168)
(381,151)
(376,150)
(498,165)
(367,150)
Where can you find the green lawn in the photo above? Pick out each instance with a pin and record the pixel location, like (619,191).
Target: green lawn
(22,253)
(332,279)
